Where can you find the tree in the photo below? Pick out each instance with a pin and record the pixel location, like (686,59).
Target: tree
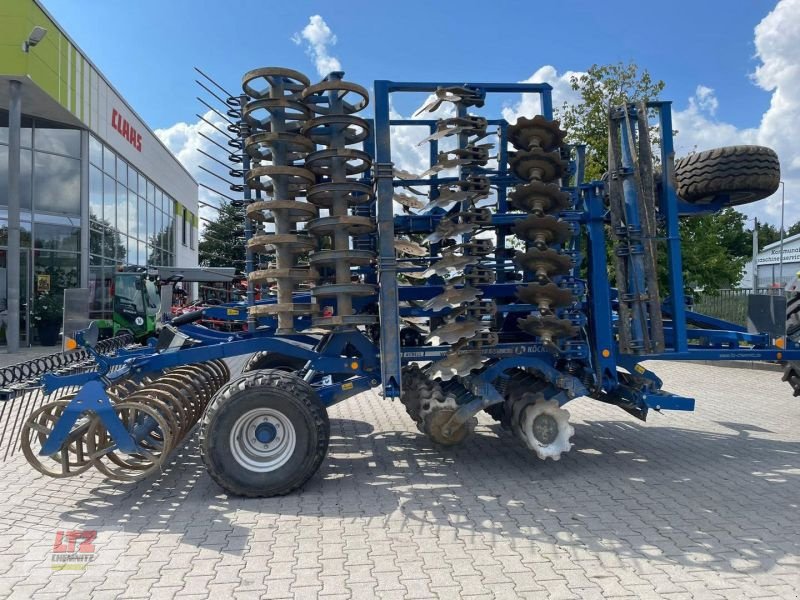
(794,229)
(587,121)
(714,247)
(109,244)
(222,241)
(767,234)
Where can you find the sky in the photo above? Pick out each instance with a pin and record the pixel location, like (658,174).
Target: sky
(732,70)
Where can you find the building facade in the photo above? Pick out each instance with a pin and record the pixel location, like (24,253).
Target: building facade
(770,270)
(98,189)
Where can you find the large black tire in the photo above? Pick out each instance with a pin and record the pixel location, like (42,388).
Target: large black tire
(745,173)
(271,360)
(281,392)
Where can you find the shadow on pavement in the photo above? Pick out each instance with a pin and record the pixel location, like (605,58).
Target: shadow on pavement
(689,497)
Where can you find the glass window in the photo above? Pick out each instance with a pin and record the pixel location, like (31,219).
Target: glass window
(57,181)
(133,251)
(109,161)
(141,213)
(185,236)
(96,241)
(152,229)
(24,177)
(133,214)
(161,225)
(95,152)
(151,192)
(24,233)
(125,290)
(159,199)
(63,268)
(170,245)
(122,171)
(95,194)
(133,179)
(109,202)
(25,130)
(142,253)
(99,291)
(57,139)
(122,209)
(49,236)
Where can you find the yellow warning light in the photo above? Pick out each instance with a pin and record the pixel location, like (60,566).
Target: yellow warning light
(606,353)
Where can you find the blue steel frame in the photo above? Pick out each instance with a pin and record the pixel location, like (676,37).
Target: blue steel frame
(596,362)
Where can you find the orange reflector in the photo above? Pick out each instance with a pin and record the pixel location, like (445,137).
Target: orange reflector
(779,355)
(71,344)
(354,365)
(606,353)
(779,342)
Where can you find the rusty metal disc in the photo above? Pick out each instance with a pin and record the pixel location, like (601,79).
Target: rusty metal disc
(539,198)
(546,297)
(355,225)
(320,129)
(354,161)
(544,263)
(265,210)
(538,132)
(352,96)
(542,231)
(548,328)
(324,194)
(268,242)
(538,165)
(292,81)
(296,178)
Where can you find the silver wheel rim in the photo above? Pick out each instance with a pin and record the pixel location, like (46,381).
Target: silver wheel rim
(263,440)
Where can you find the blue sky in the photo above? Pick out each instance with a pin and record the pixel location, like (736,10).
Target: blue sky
(148,48)
(706,51)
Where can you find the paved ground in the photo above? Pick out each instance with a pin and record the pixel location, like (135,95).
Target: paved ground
(25,353)
(701,505)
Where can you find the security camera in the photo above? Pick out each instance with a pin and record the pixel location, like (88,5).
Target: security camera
(36,36)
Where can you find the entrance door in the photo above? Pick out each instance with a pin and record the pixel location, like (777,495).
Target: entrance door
(24,296)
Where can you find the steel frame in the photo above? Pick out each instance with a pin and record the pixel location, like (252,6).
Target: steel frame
(594,362)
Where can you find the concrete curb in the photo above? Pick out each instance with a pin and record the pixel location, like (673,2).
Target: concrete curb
(744,364)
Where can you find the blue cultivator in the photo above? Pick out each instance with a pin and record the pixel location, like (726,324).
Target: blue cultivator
(480,284)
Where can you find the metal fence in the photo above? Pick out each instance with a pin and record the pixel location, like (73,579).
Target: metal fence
(729,305)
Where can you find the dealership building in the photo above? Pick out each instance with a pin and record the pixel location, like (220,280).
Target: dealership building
(97,188)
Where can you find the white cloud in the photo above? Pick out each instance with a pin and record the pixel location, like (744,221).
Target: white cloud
(529,104)
(778,50)
(184,141)
(318,37)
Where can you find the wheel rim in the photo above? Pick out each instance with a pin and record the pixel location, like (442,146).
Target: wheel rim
(263,440)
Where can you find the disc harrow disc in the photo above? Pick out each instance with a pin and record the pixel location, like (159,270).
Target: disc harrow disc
(453,331)
(548,328)
(544,263)
(538,165)
(538,132)
(458,364)
(543,231)
(452,297)
(546,297)
(540,198)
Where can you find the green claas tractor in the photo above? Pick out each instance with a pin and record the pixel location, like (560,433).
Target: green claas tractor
(133,299)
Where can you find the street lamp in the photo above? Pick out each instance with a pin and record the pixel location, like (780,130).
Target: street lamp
(37,35)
